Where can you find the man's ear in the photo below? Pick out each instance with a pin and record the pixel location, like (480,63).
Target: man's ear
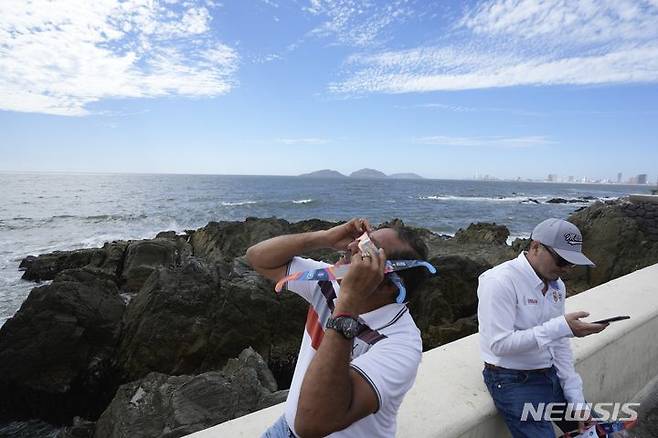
(534,246)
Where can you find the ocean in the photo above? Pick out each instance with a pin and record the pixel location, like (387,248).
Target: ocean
(44,212)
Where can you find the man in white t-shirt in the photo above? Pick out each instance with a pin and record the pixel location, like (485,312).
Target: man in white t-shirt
(361,349)
(524,333)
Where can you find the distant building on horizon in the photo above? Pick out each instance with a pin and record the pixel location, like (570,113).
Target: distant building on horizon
(552,177)
(642,178)
(619,176)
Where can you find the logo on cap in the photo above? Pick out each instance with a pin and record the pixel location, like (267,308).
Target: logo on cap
(573,239)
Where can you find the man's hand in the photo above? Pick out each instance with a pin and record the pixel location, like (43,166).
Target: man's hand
(587,423)
(581,328)
(365,275)
(340,236)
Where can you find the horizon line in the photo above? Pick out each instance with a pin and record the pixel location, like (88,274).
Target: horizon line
(493,179)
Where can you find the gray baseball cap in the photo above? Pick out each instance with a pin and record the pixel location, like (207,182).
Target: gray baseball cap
(564,237)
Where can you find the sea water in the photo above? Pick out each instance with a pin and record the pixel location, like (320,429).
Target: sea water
(44,212)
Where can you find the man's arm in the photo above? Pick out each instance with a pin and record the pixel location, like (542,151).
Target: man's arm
(333,396)
(572,384)
(570,380)
(270,257)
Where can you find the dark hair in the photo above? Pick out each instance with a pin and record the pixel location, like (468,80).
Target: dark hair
(414,277)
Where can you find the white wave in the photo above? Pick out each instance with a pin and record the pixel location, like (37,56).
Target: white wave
(481,198)
(302,201)
(238,203)
(513,237)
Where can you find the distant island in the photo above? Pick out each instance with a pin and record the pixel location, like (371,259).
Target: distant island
(367,173)
(361,173)
(405,176)
(324,173)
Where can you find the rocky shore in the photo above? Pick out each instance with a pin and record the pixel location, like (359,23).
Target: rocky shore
(166,336)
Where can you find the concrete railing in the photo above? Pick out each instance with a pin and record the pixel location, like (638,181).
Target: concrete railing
(449,398)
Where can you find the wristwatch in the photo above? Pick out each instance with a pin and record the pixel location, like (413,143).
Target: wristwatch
(345,325)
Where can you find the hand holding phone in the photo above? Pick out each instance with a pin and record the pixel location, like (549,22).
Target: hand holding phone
(613,319)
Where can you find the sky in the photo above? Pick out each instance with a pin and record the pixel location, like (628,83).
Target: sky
(445,89)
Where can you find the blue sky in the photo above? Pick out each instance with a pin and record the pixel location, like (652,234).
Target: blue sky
(446,89)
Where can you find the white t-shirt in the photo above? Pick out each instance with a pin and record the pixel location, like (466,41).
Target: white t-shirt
(387,356)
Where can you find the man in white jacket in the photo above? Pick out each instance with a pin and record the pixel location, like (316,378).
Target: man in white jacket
(524,333)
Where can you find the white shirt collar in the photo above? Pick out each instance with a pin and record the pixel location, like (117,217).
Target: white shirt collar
(384,315)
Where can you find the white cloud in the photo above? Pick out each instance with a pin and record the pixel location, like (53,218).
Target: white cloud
(522,42)
(469,109)
(308,140)
(59,57)
(506,142)
(582,21)
(356,22)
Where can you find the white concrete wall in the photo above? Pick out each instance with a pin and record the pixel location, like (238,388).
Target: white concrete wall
(449,398)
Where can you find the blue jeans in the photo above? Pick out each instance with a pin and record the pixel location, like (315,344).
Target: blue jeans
(280,429)
(510,389)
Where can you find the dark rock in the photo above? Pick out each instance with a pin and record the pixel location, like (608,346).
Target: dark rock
(520,244)
(185,320)
(171,235)
(46,266)
(615,242)
(174,406)
(484,253)
(109,259)
(434,335)
(566,201)
(220,242)
(114,254)
(483,233)
(55,353)
(167,325)
(145,256)
(446,297)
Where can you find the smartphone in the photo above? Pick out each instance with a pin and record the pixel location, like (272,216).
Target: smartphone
(613,319)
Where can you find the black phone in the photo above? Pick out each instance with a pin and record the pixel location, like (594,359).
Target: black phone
(613,319)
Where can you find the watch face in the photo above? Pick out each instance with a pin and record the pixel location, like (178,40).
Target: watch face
(349,327)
